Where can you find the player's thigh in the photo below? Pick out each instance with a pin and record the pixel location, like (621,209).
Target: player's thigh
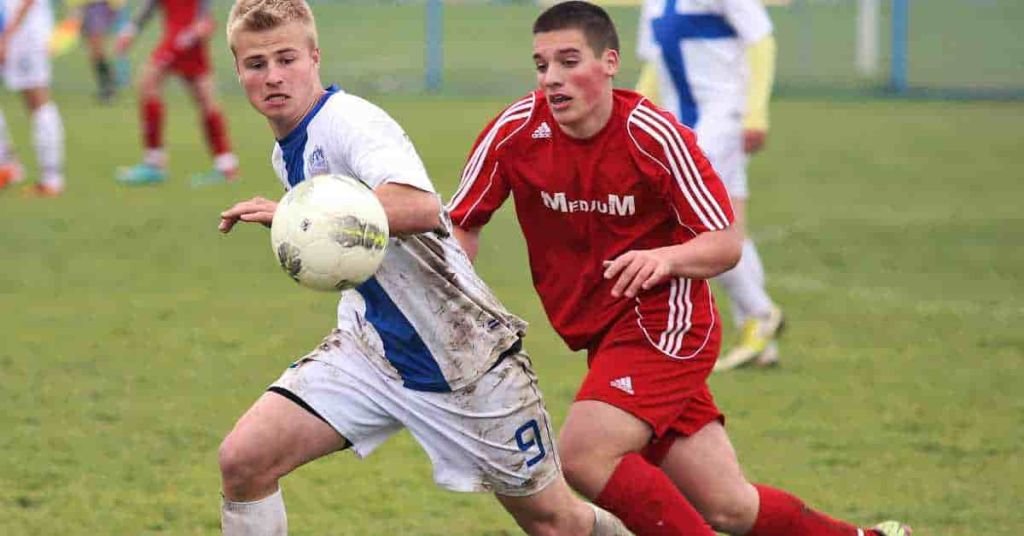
(492,435)
(594,437)
(151,78)
(705,468)
(276,435)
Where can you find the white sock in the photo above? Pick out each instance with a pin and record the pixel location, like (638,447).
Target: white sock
(745,286)
(6,155)
(265,517)
(606,524)
(155,157)
(48,133)
(226,162)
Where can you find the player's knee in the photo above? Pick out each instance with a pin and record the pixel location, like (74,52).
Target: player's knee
(578,464)
(548,523)
(731,513)
(243,470)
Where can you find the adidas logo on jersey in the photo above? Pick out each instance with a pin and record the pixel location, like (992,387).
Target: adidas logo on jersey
(543,131)
(624,384)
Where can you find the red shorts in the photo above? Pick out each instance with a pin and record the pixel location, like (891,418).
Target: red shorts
(189,63)
(670,394)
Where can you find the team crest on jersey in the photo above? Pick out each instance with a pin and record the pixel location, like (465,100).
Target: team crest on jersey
(543,131)
(317,163)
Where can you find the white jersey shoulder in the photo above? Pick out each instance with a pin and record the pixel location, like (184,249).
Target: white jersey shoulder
(38,22)
(425,316)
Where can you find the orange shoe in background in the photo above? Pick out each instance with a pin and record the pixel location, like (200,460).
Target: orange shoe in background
(11,173)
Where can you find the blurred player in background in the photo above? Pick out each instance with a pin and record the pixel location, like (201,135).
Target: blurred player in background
(422,345)
(184,51)
(625,220)
(25,54)
(711,63)
(97,21)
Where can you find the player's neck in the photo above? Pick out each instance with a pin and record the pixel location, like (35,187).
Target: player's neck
(285,127)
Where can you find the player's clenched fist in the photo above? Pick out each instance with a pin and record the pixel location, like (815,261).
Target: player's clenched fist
(255,210)
(636,270)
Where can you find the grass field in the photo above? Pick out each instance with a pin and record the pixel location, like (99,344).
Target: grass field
(132,334)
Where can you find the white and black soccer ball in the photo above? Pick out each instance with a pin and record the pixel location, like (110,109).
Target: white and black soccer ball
(330,232)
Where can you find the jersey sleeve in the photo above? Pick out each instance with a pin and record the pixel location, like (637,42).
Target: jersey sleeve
(484,186)
(668,151)
(378,151)
(749,18)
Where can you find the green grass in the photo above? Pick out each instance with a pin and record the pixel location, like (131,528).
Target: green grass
(133,334)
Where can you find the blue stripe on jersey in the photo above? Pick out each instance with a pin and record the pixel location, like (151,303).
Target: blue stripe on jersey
(402,345)
(294,144)
(670,30)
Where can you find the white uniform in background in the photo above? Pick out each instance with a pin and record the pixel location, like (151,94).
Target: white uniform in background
(699,48)
(27,67)
(424,344)
(27,63)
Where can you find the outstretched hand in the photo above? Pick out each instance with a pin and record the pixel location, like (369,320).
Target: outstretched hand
(637,270)
(255,210)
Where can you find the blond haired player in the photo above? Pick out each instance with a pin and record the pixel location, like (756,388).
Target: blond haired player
(422,345)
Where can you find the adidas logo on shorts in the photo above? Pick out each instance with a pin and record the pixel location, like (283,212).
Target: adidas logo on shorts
(543,131)
(624,384)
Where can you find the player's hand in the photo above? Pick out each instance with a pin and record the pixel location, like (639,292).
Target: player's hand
(194,34)
(753,140)
(255,210)
(124,41)
(636,270)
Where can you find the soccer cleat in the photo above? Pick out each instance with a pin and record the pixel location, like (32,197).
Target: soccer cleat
(42,190)
(770,356)
(11,173)
(757,340)
(141,174)
(214,176)
(891,528)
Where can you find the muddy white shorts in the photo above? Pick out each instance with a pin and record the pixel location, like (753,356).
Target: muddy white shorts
(493,435)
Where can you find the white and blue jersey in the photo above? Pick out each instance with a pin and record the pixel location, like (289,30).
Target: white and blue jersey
(425,317)
(699,47)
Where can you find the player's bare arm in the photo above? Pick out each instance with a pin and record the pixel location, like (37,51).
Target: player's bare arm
(469,239)
(127,36)
(702,257)
(409,209)
(200,30)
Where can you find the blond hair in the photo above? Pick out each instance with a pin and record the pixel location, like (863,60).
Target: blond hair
(263,15)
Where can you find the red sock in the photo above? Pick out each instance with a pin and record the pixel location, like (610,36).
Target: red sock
(648,502)
(216,133)
(782,514)
(152,123)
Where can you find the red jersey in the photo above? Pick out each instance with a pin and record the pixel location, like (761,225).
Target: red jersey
(179,14)
(639,183)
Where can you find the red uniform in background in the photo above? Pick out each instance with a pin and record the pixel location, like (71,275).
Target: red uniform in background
(179,51)
(640,183)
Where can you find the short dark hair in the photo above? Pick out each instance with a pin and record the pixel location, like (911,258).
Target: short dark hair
(594,22)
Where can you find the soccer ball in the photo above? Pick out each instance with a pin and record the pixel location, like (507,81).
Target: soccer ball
(329,232)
